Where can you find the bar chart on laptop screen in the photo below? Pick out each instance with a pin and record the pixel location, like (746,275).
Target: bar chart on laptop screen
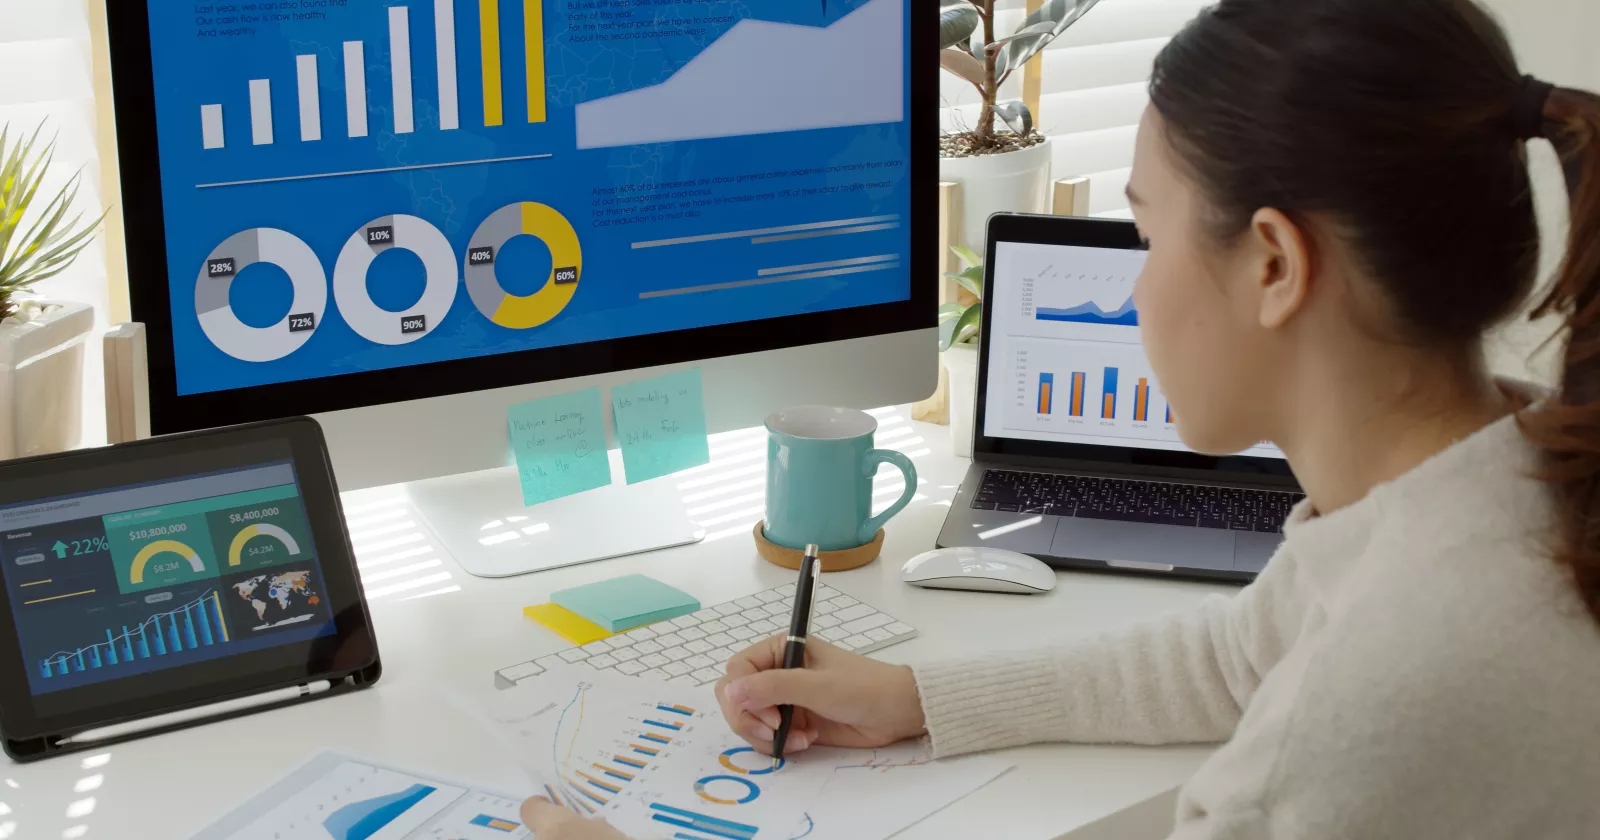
(1102,389)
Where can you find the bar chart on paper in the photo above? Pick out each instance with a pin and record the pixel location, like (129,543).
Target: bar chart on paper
(414,52)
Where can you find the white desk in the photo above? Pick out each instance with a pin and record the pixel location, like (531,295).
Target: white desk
(438,626)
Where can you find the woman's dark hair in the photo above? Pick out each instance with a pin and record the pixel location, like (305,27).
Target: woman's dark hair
(1403,124)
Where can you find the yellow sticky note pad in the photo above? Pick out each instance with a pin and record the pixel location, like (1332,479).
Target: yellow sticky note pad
(567,624)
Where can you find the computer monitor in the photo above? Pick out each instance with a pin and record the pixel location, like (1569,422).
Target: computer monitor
(405,216)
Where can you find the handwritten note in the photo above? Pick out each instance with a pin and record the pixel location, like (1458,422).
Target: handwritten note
(560,445)
(661,424)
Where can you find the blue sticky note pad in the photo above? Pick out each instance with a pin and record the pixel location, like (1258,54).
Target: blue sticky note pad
(560,445)
(627,602)
(661,425)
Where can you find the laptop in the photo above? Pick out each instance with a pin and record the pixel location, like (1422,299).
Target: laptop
(1076,460)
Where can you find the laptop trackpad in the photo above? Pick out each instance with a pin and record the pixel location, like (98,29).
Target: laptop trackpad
(1135,542)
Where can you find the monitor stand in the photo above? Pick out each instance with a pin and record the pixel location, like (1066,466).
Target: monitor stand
(480,519)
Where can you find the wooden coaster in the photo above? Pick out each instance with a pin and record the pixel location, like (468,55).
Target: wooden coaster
(832,561)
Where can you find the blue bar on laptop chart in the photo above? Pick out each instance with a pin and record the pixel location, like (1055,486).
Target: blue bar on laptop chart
(702,823)
(144,644)
(1108,406)
(1047,384)
(188,630)
(1169,414)
(665,725)
(94,657)
(111,647)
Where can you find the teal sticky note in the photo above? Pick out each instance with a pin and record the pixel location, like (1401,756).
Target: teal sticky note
(627,602)
(661,425)
(560,445)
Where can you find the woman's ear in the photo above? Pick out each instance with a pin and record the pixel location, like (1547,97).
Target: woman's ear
(1279,259)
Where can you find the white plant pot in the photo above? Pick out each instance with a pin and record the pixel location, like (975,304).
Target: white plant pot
(961,362)
(1014,182)
(41,377)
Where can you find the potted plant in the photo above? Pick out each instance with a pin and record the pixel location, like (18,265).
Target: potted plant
(41,340)
(960,325)
(999,171)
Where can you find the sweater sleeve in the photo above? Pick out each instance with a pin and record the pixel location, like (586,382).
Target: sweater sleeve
(1184,678)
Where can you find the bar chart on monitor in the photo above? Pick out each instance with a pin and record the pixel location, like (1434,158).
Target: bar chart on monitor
(1084,388)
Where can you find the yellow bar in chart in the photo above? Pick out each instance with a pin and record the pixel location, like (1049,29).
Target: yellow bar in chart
(489,36)
(533,34)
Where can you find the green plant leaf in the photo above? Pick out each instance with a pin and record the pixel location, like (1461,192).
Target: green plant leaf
(1016,115)
(36,243)
(1058,14)
(949,311)
(963,65)
(966,255)
(971,280)
(957,21)
(969,323)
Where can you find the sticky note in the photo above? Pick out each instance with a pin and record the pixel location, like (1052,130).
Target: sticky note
(661,425)
(560,445)
(567,624)
(623,603)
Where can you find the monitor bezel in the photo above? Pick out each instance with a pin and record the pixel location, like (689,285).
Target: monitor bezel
(150,293)
(1091,233)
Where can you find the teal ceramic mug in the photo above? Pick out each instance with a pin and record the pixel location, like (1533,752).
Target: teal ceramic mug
(820,465)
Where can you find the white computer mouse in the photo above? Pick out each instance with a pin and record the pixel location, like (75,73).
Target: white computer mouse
(980,570)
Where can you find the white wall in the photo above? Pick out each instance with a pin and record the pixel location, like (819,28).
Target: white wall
(1555,40)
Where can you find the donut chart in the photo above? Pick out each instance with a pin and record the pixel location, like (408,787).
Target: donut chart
(762,768)
(373,322)
(238,252)
(702,786)
(566,257)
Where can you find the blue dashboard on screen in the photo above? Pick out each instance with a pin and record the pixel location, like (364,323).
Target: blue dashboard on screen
(360,185)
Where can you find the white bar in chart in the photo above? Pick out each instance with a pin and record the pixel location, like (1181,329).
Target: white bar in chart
(310,98)
(211,126)
(355,87)
(261,111)
(444,24)
(400,67)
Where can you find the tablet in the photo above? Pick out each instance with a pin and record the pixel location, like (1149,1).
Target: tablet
(171,574)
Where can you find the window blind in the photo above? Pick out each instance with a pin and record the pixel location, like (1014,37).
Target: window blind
(46,76)
(1093,90)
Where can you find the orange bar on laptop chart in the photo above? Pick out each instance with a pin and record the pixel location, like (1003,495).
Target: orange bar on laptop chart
(1078,388)
(1108,403)
(1047,382)
(1141,401)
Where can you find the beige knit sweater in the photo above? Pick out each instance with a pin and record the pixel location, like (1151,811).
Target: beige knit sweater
(1412,666)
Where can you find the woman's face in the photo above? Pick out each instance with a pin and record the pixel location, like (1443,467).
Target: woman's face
(1199,320)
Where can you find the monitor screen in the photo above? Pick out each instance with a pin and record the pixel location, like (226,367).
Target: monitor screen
(352,186)
(1065,361)
(137,579)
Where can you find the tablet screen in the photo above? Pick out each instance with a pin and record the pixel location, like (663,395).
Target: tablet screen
(141,578)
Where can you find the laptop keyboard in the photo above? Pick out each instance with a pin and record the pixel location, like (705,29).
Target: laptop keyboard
(1122,500)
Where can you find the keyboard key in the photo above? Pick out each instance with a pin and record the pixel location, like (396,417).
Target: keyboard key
(698,646)
(775,611)
(824,608)
(677,669)
(833,634)
(692,633)
(862,625)
(845,644)
(879,634)
(786,590)
(842,601)
(720,639)
(749,603)
(523,671)
(714,627)
(656,674)
(768,597)
(743,634)
(707,674)
(706,614)
(859,641)
(721,668)
(823,622)
(662,628)
(852,613)
(670,640)
(735,620)
(725,653)
(677,653)
(548,662)
(757,614)
(765,625)
(626,654)
(654,660)
(730,609)
(631,668)
(700,661)
(573,655)
(686,621)
(977,505)
(604,660)
(648,647)
(642,634)
(599,646)
(900,628)
(827,592)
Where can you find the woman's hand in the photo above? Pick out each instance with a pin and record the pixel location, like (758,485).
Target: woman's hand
(549,821)
(841,699)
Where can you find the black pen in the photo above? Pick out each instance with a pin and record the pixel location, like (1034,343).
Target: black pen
(794,650)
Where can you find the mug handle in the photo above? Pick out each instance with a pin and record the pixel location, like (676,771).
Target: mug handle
(876,458)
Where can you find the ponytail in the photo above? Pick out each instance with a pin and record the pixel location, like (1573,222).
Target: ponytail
(1568,429)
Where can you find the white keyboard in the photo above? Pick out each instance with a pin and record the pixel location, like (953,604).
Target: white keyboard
(695,649)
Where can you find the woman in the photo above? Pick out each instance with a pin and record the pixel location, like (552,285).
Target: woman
(1337,201)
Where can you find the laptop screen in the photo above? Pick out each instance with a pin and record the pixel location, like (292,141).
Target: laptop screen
(1065,362)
